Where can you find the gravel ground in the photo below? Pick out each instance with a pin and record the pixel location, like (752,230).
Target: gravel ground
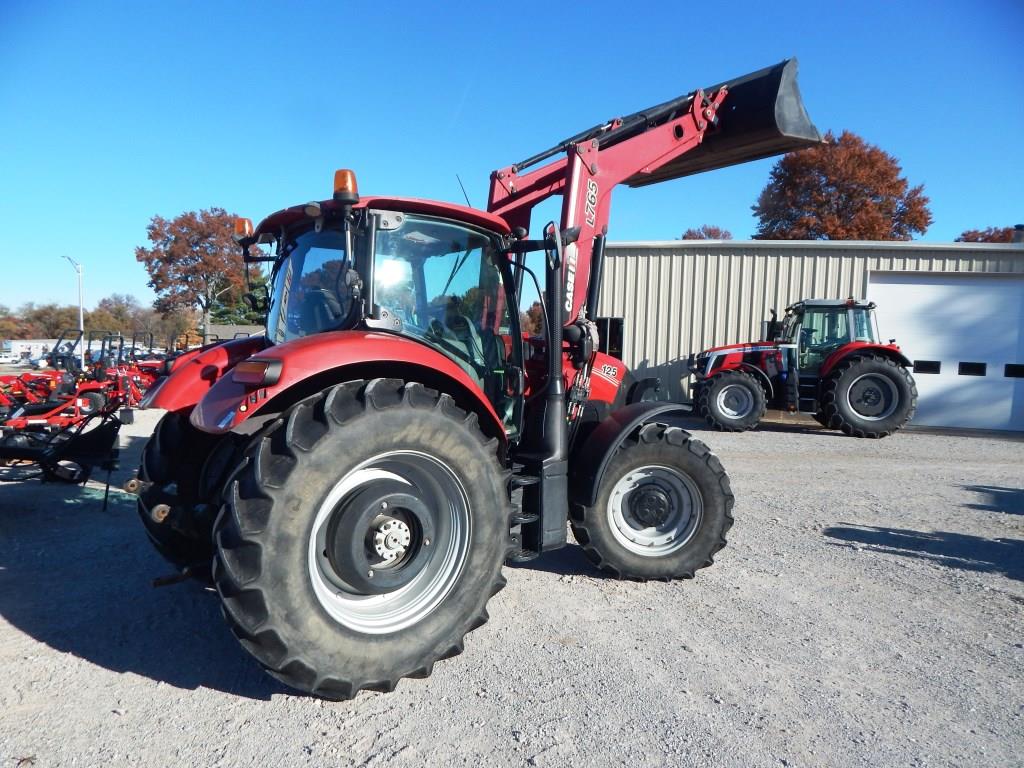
(867,612)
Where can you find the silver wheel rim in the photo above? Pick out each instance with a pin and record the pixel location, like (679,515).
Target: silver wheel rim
(439,487)
(685,512)
(872,397)
(734,401)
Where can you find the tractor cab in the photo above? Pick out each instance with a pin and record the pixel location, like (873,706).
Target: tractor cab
(819,327)
(430,273)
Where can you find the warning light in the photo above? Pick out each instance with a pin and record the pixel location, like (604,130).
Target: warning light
(345,189)
(243,228)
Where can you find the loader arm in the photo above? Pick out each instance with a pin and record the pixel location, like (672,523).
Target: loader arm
(752,117)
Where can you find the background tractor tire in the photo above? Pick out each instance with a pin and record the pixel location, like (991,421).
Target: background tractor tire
(92,402)
(662,510)
(870,396)
(173,460)
(305,515)
(732,401)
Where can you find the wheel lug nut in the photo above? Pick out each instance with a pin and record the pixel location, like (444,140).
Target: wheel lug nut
(369,574)
(426,542)
(383,505)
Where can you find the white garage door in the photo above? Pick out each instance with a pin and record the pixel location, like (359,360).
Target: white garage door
(964,334)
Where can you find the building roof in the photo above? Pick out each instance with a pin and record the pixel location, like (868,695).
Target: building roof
(1010,249)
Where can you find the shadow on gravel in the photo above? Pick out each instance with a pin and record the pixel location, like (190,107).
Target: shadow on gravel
(567,561)
(697,424)
(1008,500)
(953,550)
(80,580)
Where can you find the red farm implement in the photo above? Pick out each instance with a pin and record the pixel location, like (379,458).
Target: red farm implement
(62,419)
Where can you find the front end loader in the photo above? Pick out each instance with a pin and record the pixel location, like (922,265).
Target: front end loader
(353,481)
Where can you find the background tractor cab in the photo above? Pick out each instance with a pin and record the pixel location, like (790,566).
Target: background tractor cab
(821,327)
(825,358)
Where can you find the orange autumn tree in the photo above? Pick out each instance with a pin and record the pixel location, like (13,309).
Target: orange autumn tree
(841,189)
(987,235)
(193,260)
(707,232)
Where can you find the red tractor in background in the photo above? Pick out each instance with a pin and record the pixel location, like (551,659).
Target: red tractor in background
(825,359)
(353,481)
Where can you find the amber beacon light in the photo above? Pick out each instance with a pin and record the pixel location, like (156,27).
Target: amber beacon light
(345,189)
(243,228)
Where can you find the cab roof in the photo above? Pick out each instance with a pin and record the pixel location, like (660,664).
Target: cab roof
(811,303)
(288,217)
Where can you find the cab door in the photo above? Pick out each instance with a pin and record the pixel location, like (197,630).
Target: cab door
(821,331)
(451,286)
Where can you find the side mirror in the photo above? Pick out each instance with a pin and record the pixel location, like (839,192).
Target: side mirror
(772,330)
(553,245)
(258,299)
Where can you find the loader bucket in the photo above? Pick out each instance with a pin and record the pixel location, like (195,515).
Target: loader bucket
(763,115)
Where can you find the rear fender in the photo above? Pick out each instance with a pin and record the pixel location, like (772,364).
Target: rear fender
(891,351)
(590,460)
(195,374)
(314,363)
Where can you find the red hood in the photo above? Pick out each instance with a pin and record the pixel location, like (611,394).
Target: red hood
(739,347)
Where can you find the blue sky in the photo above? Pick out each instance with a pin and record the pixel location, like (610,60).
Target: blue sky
(113,112)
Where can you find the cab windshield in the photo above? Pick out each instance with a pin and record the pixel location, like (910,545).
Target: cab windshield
(312,287)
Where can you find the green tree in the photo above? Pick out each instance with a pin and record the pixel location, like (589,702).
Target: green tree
(841,189)
(232,309)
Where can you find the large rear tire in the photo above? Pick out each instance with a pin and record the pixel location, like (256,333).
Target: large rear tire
(662,510)
(361,540)
(870,396)
(732,401)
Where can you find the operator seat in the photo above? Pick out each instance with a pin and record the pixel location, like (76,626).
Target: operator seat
(320,311)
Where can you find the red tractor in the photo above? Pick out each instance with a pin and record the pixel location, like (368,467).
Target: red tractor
(825,359)
(353,481)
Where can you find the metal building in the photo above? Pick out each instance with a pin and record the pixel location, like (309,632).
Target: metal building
(946,305)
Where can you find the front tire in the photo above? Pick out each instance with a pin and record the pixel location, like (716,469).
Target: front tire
(732,401)
(361,540)
(662,510)
(92,402)
(173,460)
(871,396)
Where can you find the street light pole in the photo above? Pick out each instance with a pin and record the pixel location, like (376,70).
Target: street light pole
(81,309)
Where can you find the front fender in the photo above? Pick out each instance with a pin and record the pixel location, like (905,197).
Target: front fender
(193,376)
(591,460)
(313,363)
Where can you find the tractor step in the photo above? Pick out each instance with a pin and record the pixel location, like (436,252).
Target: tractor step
(522,556)
(522,518)
(522,481)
